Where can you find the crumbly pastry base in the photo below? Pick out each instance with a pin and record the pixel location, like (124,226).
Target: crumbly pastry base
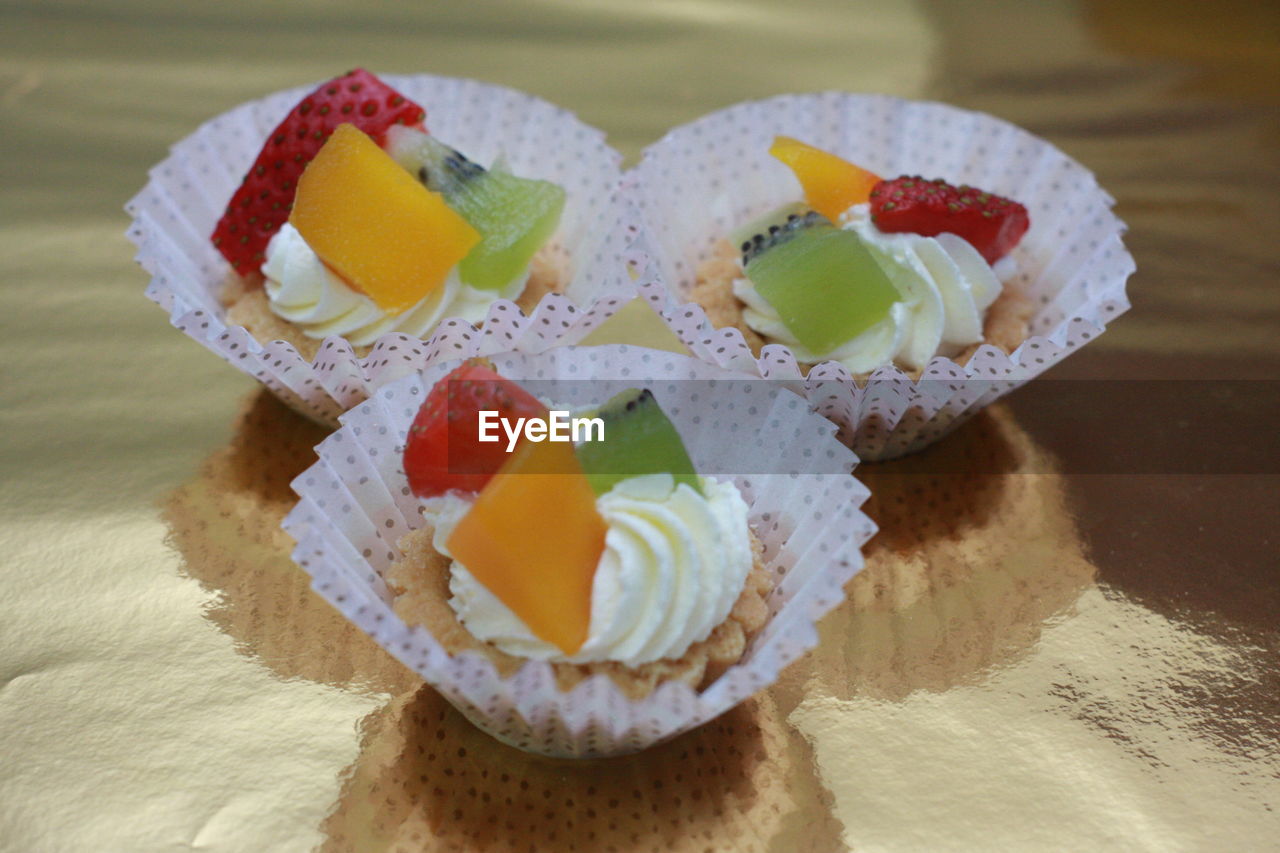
(1006,325)
(247,305)
(420,582)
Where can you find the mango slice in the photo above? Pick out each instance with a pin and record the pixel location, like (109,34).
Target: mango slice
(533,537)
(831,185)
(373,224)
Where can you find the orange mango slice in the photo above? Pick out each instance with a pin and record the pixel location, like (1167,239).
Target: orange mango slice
(373,224)
(533,537)
(831,185)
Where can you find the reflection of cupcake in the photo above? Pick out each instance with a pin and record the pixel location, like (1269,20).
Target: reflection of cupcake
(676,586)
(316,258)
(591,598)
(976,549)
(958,306)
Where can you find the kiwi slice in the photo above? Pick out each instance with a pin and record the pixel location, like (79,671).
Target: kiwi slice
(638,439)
(760,226)
(824,283)
(514,215)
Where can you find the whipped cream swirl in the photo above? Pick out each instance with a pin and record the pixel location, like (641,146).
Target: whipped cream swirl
(302,290)
(674,563)
(945,285)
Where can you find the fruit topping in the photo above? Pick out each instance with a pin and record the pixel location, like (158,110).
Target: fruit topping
(637,324)
(992,224)
(443,450)
(761,228)
(514,216)
(370,222)
(263,201)
(638,439)
(825,285)
(534,537)
(831,184)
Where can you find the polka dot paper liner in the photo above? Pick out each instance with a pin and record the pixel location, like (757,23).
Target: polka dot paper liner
(176,211)
(708,177)
(355,505)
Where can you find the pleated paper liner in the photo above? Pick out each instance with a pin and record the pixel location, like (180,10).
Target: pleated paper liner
(176,211)
(356,505)
(712,175)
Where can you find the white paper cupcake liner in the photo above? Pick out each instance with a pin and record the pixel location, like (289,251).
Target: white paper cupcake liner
(176,211)
(711,175)
(356,505)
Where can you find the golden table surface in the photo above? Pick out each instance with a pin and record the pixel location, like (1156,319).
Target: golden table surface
(1048,655)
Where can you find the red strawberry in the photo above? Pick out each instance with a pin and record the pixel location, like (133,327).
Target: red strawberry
(263,201)
(443,451)
(992,224)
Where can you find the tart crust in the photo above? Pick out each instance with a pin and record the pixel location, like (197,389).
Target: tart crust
(1005,326)
(247,305)
(420,583)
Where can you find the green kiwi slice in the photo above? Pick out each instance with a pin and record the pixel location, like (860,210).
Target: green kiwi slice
(638,439)
(824,283)
(515,216)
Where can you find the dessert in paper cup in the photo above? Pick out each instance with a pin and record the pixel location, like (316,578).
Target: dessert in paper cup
(320,237)
(913,261)
(596,595)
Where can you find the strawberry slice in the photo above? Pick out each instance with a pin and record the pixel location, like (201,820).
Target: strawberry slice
(444,450)
(991,223)
(265,196)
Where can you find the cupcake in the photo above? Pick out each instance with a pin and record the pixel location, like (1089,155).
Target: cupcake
(905,311)
(315,238)
(594,597)
(649,573)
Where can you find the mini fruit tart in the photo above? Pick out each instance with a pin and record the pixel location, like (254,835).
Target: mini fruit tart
(594,596)
(355,221)
(609,555)
(901,304)
(869,272)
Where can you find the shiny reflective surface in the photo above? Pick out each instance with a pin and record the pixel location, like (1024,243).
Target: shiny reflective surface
(1030,660)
